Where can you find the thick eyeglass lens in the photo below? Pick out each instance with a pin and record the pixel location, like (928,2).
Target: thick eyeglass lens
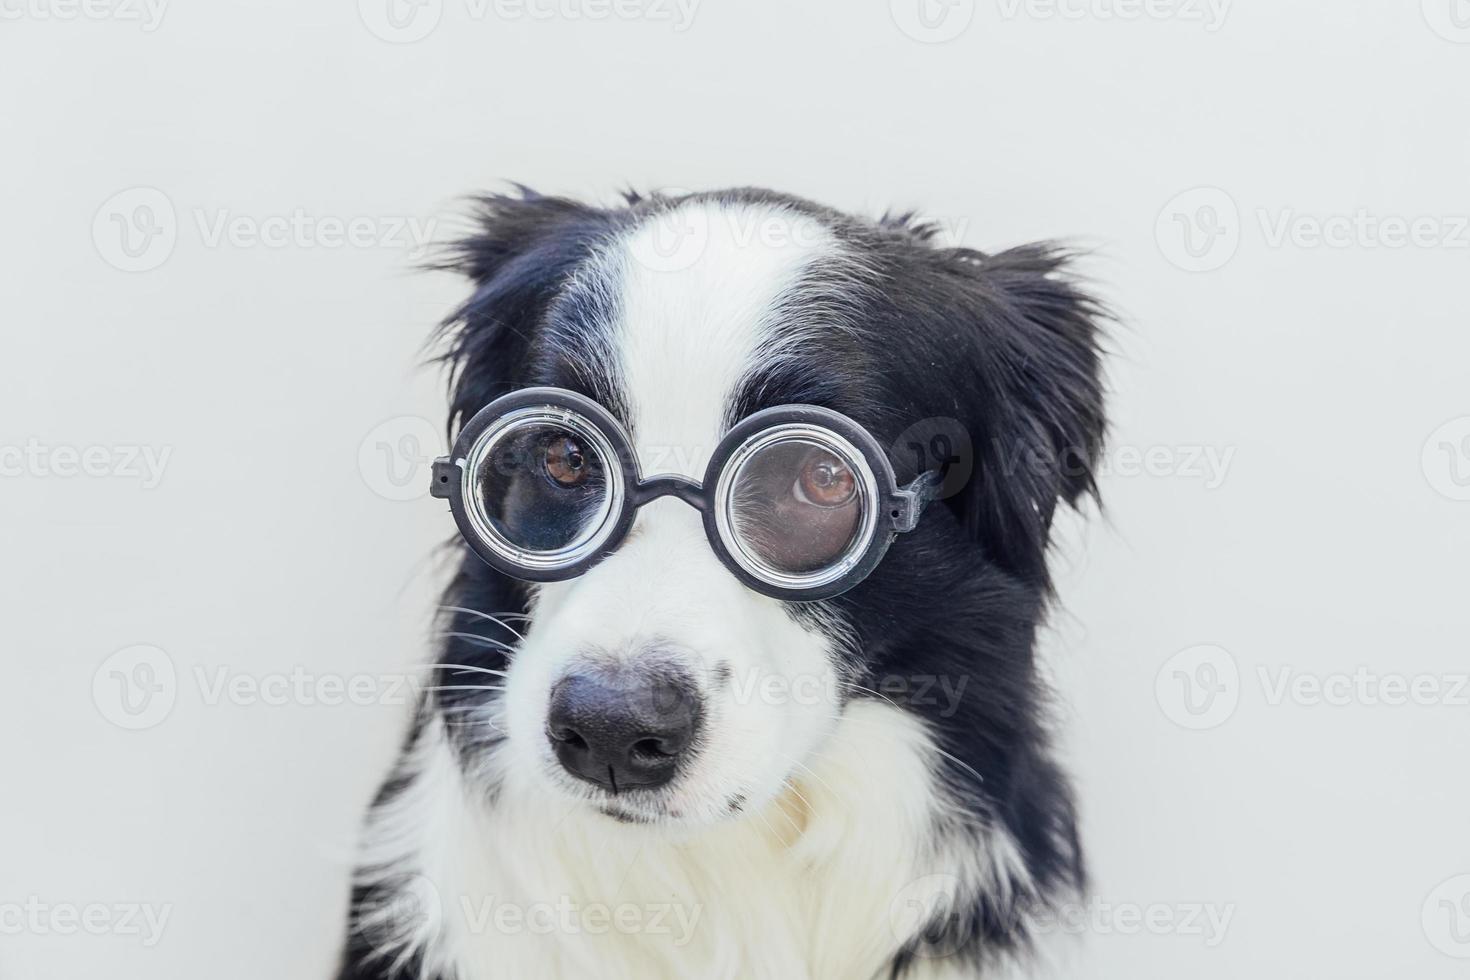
(543,487)
(797,505)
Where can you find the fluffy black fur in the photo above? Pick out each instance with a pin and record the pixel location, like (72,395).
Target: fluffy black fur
(1002,347)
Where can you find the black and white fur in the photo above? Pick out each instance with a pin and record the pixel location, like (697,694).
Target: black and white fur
(862,831)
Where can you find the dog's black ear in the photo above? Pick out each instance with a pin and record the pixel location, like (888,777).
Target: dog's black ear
(1036,407)
(518,256)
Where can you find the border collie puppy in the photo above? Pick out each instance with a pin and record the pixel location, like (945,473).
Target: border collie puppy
(658,763)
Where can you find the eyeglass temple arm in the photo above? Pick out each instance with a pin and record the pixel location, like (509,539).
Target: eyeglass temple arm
(909,502)
(444,474)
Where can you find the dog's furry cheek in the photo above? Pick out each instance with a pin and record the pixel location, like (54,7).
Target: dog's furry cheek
(771,706)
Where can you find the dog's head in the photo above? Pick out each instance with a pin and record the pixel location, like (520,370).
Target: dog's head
(656,687)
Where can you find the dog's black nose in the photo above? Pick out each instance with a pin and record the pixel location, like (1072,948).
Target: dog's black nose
(623,728)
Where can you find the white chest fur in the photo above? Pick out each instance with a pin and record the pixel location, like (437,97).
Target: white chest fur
(827,884)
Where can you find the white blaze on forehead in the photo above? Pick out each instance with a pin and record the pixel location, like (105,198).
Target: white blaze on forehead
(698,298)
(699,287)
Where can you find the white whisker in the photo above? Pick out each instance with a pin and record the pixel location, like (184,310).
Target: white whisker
(475,612)
(813,773)
(772,829)
(487,641)
(783,813)
(960,762)
(869,690)
(459,668)
(475,723)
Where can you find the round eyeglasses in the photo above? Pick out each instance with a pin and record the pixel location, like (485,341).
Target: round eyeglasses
(799,502)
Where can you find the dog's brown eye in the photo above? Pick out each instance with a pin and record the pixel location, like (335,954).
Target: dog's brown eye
(796,506)
(825,481)
(566,463)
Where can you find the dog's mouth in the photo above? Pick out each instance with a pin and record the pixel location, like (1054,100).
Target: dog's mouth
(640,806)
(622,815)
(659,814)
(677,807)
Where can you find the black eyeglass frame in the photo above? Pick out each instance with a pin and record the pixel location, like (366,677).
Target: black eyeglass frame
(896,512)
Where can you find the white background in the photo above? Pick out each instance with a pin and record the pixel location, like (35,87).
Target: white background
(1335,538)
